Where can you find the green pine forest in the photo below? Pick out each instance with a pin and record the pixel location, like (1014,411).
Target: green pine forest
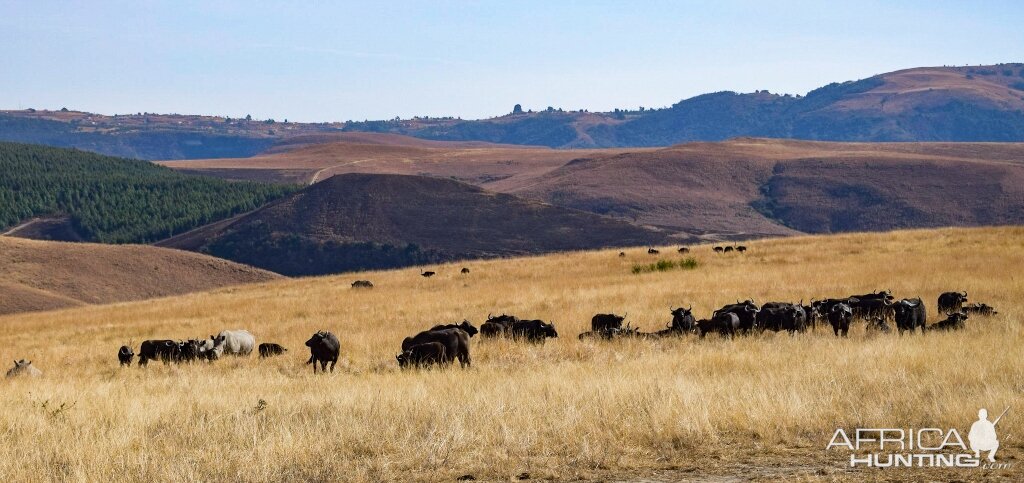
(115,200)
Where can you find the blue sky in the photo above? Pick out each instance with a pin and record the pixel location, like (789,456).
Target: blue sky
(335,61)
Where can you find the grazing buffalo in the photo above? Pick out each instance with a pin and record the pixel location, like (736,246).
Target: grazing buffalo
(24,368)
(651,251)
(237,342)
(840,317)
(165,350)
(683,320)
(953,321)
(455,342)
(362,284)
(324,348)
(718,249)
(125,355)
(729,249)
(606,322)
(725,323)
(878,324)
(270,349)
(427,274)
(189,350)
(497,326)
(465,325)
(684,250)
(424,355)
(465,270)
(741,248)
(746,311)
(533,330)
(980,309)
(910,314)
(952,301)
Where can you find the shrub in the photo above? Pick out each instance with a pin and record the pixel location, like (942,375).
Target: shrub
(665,265)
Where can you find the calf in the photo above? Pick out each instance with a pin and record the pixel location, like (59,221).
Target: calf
(270,349)
(423,355)
(125,355)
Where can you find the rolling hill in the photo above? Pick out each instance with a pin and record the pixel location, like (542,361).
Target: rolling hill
(368,221)
(45,275)
(979,103)
(741,188)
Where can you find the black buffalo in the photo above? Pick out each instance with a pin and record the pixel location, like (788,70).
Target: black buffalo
(497,326)
(424,355)
(270,349)
(776,316)
(362,284)
(165,350)
(840,317)
(746,311)
(880,295)
(464,325)
(718,249)
(188,350)
(465,270)
(729,249)
(533,330)
(125,355)
(741,248)
(979,309)
(324,348)
(606,322)
(725,323)
(428,274)
(871,307)
(683,320)
(952,301)
(878,324)
(953,321)
(683,250)
(910,314)
(455,342)
(651,251)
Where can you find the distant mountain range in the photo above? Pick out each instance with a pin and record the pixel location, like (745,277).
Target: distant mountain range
(983,103)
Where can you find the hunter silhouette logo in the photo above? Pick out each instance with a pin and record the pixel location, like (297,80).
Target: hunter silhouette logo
(923,447)
(983,435)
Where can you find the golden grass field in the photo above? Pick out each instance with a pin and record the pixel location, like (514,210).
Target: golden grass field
(761,407)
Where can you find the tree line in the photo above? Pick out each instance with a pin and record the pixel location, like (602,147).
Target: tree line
(115,200)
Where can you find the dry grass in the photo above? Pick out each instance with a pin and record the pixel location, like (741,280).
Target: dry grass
(761,407)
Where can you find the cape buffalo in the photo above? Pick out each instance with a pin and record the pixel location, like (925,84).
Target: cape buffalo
(651,251)
(683,320)
(533,330)
(324,348)
(270,349)
(839,317)
(165,350)
(606,321)
(455,342)
(188,350)
(427,274)
(729,249)
(725,323)
(741,248)
(880,295)
(125,355)
(910,314)
(464,325)
(24,368)
(423,355)
(465,270)
(497,326)
(952,301)
(878,324)
(683,250)
(746,311)
(980,309)
(362,284)
(871,307)
(622,254)
(953,321)
(718,249)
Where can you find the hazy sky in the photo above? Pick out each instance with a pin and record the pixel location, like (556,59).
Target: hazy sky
(336,61)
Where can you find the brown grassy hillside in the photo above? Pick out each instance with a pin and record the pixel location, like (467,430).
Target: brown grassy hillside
(741,188)
(38,275)
(357,221)
(757,408)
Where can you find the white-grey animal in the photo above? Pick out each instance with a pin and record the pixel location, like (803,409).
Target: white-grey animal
(24,368)
(237,342)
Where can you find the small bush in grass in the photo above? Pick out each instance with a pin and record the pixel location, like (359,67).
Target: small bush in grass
(665,265)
